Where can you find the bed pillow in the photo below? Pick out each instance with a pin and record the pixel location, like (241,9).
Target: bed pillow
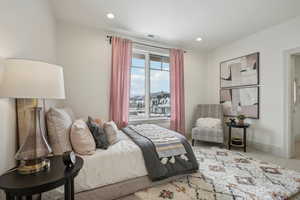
(111,131)
(59,123)
(81,138)
(98,134)
(98,121)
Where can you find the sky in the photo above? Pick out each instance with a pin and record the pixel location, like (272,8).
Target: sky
(159,80)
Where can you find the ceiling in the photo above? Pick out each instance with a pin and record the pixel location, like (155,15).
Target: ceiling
(179,22)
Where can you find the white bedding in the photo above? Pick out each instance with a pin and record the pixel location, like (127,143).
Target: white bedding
(121,161)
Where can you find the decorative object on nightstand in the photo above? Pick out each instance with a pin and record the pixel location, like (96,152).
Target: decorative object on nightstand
(241,119)
(17,186)
(69,159)
(27,79)
(235,143)
(232,121)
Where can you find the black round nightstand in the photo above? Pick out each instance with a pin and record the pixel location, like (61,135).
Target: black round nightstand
(16,185)
(236,125)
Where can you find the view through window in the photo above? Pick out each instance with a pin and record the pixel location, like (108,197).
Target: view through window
(149,87)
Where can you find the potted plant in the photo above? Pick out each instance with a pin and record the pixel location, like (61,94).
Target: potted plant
(241,119)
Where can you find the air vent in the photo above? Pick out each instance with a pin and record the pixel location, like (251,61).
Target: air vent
(151,36)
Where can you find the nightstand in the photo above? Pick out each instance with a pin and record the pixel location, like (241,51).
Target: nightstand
(242,126)
(18,186)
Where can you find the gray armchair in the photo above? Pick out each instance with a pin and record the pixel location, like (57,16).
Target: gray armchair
(208,134)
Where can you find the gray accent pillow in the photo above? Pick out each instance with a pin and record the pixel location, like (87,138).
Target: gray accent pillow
(98,134)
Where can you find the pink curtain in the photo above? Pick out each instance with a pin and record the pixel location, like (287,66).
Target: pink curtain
(119,83)
(177,90)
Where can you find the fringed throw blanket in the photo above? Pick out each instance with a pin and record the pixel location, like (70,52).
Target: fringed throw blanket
(166,153)
(167,145)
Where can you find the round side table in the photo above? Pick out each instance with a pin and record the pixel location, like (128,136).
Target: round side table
(17,186)
(243,126)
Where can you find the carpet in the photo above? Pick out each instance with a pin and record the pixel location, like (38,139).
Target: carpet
(229,175)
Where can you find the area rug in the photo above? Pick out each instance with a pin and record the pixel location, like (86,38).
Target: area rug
(228,175)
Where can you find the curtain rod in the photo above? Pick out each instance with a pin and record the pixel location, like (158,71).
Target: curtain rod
(143,44)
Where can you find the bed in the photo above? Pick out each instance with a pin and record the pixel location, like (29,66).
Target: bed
(122,169)
(133,163)
(121,161)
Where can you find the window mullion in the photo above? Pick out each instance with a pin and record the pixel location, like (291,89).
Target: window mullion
(147,86)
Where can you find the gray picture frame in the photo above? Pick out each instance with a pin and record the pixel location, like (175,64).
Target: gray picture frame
(242,100)
(241,71)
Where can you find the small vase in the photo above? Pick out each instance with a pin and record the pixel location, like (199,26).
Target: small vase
(241,122)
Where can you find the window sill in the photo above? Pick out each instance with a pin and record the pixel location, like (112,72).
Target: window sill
(158,120)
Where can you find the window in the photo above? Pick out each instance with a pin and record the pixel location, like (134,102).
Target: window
(149,87)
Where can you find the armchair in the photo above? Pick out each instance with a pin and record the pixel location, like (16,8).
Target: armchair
(208,134)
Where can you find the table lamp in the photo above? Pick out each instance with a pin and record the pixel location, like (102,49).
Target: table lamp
(27,79)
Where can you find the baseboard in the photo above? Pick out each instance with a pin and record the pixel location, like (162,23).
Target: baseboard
(267,148)
(297,138)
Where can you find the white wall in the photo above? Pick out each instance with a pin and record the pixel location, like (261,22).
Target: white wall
(27,30)
(195,83)
(268,131)
(85,55)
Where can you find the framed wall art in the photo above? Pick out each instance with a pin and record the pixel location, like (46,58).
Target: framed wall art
(242,71)
(240,101)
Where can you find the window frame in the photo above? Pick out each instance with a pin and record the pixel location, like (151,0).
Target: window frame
(147,85)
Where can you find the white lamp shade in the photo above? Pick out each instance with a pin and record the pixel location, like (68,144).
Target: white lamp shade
(21,78)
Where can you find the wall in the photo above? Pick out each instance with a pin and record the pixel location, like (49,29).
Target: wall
(267,133)
(296,117)
(27,30)
(195,83)
(85,55)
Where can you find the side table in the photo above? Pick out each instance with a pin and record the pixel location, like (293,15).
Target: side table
(17,186)
(244,127)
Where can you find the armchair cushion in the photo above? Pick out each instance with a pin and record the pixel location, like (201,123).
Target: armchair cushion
(208,122)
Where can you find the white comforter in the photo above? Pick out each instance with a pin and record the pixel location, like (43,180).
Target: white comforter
(121,161)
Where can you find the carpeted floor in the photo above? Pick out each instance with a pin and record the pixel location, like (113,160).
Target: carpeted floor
(225,174)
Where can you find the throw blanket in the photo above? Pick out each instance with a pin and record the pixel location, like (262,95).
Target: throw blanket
(167,145)
(155,168)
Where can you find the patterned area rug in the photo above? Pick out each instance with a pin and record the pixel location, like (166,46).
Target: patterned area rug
(228,175)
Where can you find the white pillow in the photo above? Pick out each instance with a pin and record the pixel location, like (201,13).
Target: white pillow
(59,123)
(81,138)
(111,131)
(208,123)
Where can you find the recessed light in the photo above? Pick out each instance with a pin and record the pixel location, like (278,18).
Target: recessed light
(110,16)
(198,39)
